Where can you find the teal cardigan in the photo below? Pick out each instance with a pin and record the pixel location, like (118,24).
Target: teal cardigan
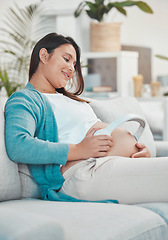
(31,137)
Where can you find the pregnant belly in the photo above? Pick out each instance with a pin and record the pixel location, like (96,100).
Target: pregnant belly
(123,144)
(124,141)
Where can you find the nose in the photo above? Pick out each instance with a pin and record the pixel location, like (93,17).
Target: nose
(71,68)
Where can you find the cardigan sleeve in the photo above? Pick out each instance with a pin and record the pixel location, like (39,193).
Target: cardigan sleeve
(24,118)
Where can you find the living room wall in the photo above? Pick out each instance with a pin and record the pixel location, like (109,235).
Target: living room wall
(138,28)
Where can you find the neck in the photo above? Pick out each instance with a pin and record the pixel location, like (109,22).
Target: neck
(41,84)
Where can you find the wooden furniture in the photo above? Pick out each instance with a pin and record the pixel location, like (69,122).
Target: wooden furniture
(125,67)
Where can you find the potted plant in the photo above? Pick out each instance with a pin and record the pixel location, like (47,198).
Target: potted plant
(17,40)
(10,86)
(161,57)
(105,36)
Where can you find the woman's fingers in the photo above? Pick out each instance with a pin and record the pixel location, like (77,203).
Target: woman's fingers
(140,145)
(143,151)
(103,139)
(92,131)
(141,154)
(95,146)
(106,142)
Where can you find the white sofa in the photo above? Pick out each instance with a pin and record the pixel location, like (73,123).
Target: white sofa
(154,111)
(23,215)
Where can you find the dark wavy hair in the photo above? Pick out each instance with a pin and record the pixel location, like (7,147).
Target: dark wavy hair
(50,42)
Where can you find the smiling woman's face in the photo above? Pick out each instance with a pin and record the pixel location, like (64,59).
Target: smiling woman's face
(60,66)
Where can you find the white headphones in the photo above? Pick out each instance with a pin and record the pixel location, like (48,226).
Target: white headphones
(119,121)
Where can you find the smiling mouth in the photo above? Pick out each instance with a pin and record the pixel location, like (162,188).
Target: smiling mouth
(66,75)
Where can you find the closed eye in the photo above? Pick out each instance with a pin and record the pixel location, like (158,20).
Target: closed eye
(66,59)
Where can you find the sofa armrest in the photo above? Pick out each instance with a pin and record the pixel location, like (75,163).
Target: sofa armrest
(161,148)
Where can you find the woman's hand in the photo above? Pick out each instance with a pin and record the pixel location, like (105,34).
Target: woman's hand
(143,151)
(91,146)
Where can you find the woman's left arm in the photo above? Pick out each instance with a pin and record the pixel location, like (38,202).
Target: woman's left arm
(143,151)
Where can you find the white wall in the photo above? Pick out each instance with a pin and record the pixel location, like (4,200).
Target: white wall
(138,28)
(148,30)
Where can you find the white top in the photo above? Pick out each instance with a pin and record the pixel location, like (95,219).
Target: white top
(73,118)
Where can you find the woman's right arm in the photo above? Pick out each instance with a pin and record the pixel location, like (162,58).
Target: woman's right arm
(22,116)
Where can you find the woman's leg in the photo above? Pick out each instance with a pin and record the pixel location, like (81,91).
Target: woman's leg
(124,179)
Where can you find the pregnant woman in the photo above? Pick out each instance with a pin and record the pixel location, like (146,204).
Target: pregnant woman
(54,131)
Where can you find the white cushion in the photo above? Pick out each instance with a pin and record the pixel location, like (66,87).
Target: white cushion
(30,189)
(109,110)
(154,113)
(100,221)
(22,225)
(10,187)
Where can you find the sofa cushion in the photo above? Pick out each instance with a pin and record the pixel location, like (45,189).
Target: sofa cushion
(109,110)
(29,188)
(97,220)
(154,113)
(159,208)
(10,186)
(22,225)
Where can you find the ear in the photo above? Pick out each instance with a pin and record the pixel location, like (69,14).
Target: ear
(43,55)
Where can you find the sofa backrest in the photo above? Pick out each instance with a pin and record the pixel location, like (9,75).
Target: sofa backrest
(10,185)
